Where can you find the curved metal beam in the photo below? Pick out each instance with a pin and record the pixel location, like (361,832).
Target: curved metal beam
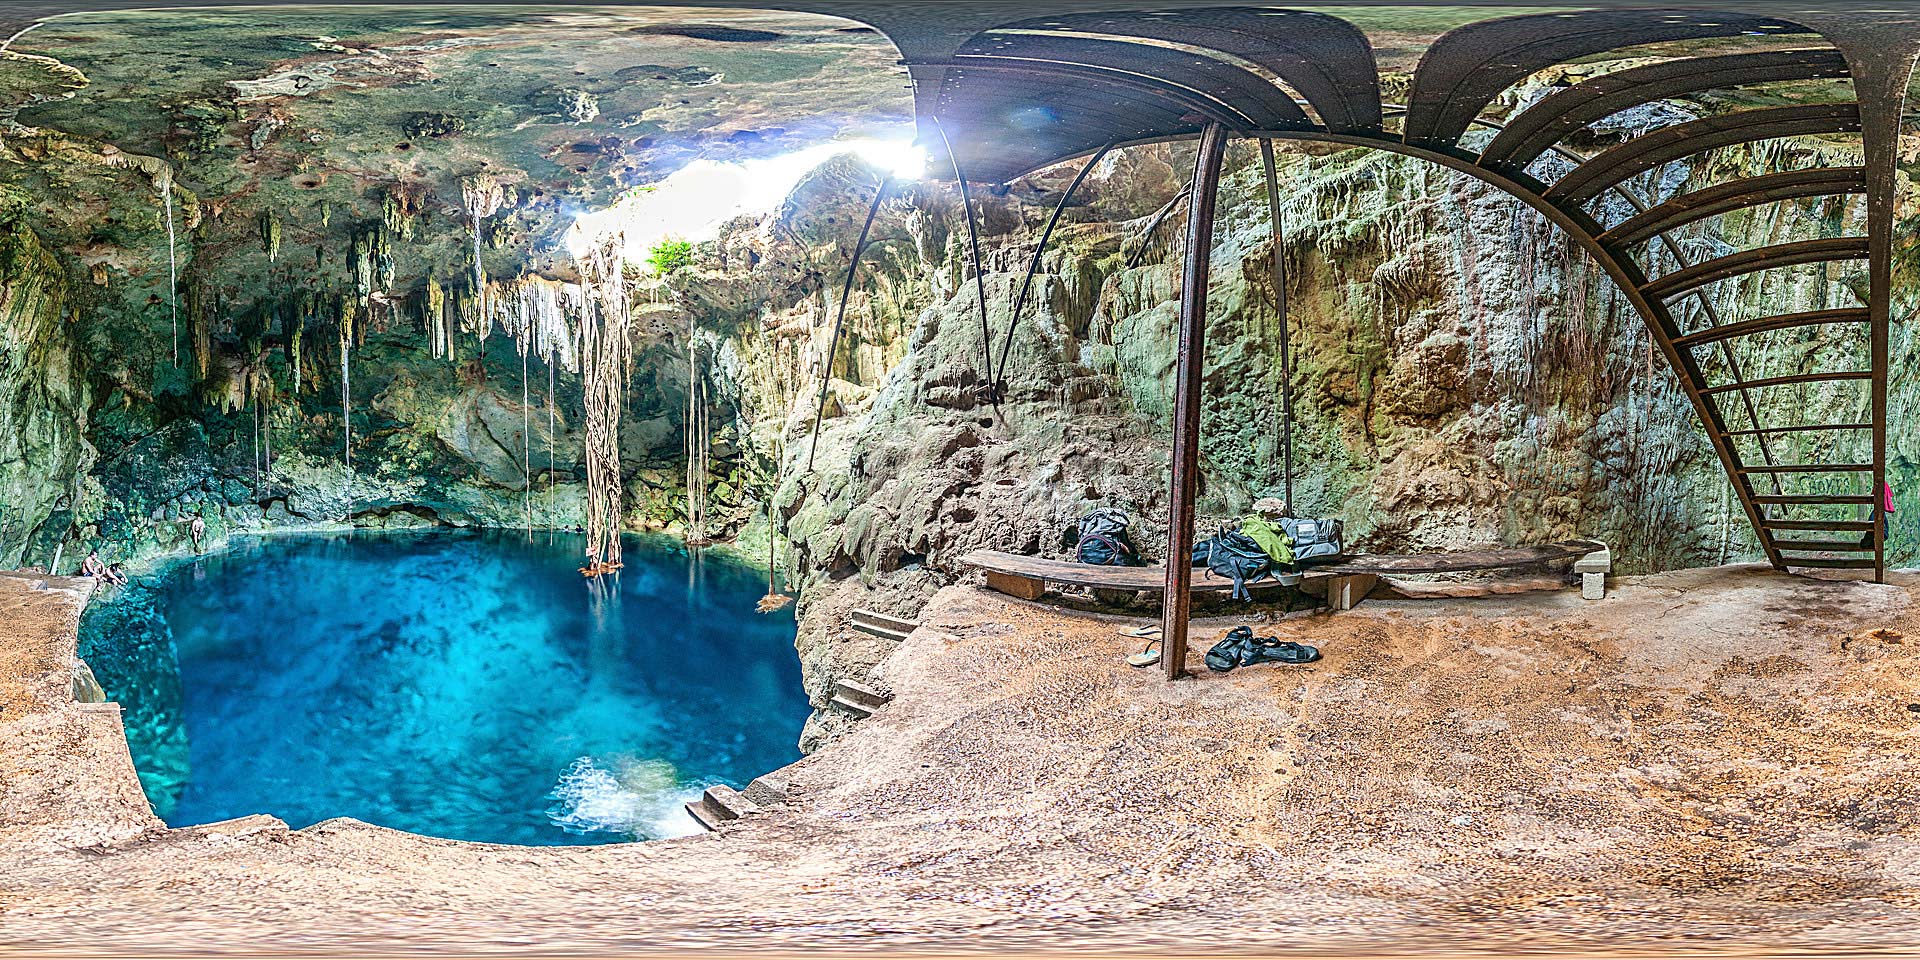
(1784,321)
(1189,381)
(1249,94)
(1558,115)
(1752,261)
(1736,195)
(1466,69)
(1328,60)
(1213,110)
(1667,144)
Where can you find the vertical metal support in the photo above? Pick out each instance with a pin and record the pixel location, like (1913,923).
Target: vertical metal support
(1189,367)
(1286,333)
(1881,61)
(1880,106)
(1880,50)
(840,315)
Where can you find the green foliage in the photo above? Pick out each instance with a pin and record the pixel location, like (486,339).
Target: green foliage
(670,255)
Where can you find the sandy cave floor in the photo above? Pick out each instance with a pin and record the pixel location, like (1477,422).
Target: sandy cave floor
(1722,760)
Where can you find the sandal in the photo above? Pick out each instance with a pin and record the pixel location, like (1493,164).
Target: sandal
(1269,650)
(1147,657)
(1142,633)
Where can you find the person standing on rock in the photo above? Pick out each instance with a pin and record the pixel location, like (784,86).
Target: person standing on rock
(198,531)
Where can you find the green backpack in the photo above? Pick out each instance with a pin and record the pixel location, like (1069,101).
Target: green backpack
(1270,538)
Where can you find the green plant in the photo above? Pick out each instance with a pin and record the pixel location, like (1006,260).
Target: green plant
(670,255)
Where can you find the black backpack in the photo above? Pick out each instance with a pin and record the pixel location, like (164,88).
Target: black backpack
(1103,540)
(1233,554)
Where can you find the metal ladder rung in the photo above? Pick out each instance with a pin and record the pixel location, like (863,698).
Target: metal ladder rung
(1832,563)
(1811,468)
(1837,375)
(1800,429)
(1825,546)
(1822,525)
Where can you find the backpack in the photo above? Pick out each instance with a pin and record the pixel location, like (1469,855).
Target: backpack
(1103,539)
(1272,539)
(1313,541)
(1233,554)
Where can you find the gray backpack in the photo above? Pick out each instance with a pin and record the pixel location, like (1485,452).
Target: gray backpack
(1314,541)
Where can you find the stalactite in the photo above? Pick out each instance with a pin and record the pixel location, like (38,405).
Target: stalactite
(526,441)
(439,327)
(346,383)
(697,445)
(482,198)
(270,235)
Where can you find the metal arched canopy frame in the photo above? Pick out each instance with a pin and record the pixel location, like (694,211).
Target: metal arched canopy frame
(1017,128)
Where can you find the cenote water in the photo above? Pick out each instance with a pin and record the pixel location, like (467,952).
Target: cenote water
(459,684)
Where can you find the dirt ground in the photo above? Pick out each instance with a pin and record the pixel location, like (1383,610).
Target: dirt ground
(1724,761)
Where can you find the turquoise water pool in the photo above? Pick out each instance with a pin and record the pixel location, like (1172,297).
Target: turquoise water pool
(459,684)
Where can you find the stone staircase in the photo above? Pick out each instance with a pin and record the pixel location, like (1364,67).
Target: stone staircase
(720,804)
(852,696)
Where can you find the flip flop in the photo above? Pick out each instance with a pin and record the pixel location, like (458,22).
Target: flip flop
(1142,633)
(1147,657)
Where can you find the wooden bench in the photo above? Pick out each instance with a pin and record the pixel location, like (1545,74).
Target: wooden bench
(1347,582)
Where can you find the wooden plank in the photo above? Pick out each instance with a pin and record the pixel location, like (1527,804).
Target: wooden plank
(1014,585)
(1462,561)
(1346,592)
(1014,569)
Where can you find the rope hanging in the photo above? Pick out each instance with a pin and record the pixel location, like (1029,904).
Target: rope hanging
(1280,305)
(840,315)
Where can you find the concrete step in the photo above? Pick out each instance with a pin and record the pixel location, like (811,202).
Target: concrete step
(860,693)
(720,804)
(882,625)
(769,789)
(859,710)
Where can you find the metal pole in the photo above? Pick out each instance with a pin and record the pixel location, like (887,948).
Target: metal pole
(846,290)
(1286,335)
(979,274)
(1189,367)
(1033,266)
